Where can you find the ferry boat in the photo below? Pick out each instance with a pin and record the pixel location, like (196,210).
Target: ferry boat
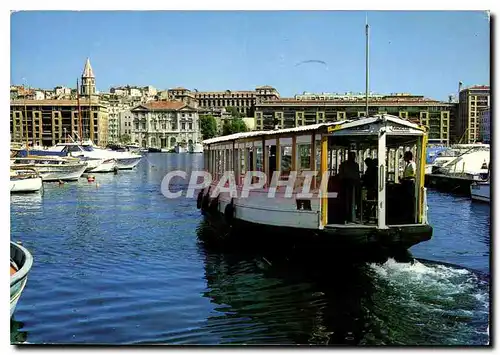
(21,262)
(329,213)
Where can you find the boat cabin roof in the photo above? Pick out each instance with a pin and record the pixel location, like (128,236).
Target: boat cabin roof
(365,126)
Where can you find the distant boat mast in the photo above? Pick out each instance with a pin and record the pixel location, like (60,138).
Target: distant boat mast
(367,32)
(80,135)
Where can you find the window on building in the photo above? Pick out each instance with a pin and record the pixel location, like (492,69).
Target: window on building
(183,127)
(190,126)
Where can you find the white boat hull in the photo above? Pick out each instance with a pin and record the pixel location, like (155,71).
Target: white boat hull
(106,166)
(128,163)
(22,260)
(258,208)
(196,148)
(26,185)
(60,172)
(180,150)
(480,192)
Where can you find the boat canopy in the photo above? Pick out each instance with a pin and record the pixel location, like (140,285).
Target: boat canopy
(392,125)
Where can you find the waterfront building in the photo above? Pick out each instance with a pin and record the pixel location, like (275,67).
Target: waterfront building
(316,108)
(48,122)
(126,119)
(484,126)
(164,124)
(121,99)
(472,101)
(243,101)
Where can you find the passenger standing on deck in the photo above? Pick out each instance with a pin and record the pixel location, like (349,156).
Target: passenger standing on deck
(349,180)
(408,183)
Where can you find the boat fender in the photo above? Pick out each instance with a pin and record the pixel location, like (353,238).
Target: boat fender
(199,200)
(229,212)
(205,203)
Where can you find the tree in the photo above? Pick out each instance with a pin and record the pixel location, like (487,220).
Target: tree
(126,139)
(208,126)
(233,111)
(234,125)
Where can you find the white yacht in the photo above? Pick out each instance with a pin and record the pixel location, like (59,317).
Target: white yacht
(97,161)
(52,168)
(473,164)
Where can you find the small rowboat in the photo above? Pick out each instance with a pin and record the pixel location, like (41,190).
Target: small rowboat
(21,261)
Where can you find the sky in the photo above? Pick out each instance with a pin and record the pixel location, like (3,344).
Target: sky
(425,53)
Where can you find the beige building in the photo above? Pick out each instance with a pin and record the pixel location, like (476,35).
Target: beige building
(243,101)
(293,112)
(164,124)
(472,101)
(48,122)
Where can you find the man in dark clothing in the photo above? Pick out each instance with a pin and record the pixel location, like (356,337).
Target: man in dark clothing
(349,179)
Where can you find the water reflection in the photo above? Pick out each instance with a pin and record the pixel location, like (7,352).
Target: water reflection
(16,335)
(266,299)
(263,299)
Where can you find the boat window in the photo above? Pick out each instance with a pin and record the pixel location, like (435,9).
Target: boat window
(242,161)
(88,148)
(259,158)
(285,160)
(304,155)
(72,148)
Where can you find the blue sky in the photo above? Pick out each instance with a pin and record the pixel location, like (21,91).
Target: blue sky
(419,52)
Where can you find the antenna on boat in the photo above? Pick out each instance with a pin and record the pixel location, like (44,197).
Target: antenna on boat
(367,32)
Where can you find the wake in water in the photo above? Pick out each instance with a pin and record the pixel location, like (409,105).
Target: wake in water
(429,304)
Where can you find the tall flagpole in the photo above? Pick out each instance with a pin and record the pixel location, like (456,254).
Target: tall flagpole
(367,28)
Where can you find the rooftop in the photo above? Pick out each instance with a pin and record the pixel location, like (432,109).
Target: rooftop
(347,124)
(163,105)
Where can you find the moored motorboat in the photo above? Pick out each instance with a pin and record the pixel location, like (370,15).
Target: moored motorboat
(52,168)
(98,160)
(21,262)
(480,191)
(196,148)
(24,179)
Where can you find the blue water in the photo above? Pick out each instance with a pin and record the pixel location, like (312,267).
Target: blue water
(121,264)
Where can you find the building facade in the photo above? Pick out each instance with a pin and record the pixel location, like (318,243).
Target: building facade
(164,124)
(472,101)
(484,126)
(126,119)
(48,122)
(122,99)
(243,101)
(288,113)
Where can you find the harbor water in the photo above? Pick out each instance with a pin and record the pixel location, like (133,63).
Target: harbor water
(115,262)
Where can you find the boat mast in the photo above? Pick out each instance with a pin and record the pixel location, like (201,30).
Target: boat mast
(26,117)
(367,30)
(80,135)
